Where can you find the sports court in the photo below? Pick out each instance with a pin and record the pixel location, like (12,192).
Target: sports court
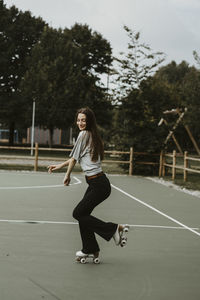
(39,239)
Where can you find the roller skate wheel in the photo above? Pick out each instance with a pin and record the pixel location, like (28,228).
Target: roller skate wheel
(126,228)
(83,260)
(96,260)
(123,242)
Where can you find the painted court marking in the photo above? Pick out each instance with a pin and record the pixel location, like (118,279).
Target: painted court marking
(78,181)
(38,186)
(76,223)
(156,210)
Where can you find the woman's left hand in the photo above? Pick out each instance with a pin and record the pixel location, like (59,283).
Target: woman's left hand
(66,179)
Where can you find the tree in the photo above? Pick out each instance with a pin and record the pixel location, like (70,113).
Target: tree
(196,57)
(184,82)
(19,32)
(63,76)
(51,80)
(172,86)
(133,112)
(96,51)
(96,55)
(139,63)
(139,115)
(190,91)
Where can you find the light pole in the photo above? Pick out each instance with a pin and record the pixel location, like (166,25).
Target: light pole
(33,127)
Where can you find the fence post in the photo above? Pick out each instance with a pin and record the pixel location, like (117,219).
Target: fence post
(161,163)
(131,162)
(174,165)
(185,166)
(36,157)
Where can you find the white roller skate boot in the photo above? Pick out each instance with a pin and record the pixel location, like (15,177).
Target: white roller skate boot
(117,236)
(120,237)
(82,257)
(123,233)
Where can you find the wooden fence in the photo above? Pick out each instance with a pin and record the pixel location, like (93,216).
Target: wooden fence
(174,166)
(36,158)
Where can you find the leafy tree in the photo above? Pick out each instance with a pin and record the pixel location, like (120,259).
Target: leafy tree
(133,79)
(63,76)
(96,51)
(184,82)
(173,73)
(139,63)
(19,32)
(196,57)
(172,86)
(190,91)
(96,55)
(51,80)
(139,115)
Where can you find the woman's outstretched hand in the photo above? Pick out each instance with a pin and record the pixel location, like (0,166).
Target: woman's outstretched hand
(52,168)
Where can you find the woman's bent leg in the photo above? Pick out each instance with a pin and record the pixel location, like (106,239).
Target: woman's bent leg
(90,225)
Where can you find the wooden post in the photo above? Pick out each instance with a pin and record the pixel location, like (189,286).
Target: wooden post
(190,134)
(181,115)
(174,165)
(185,166)
(60,137)
(36,157)
(28,135)
(174,139)
(177,144)
(131,162)
(192,139)
(161,164)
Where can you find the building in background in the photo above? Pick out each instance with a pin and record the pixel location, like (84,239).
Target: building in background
(4,136)
(41,136)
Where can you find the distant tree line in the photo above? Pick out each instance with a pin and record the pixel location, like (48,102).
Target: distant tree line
(145,96)
(58,69)
(61,69)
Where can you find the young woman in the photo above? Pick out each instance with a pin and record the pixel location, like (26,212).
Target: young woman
(88,151)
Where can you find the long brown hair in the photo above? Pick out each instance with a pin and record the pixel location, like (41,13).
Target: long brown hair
(97,148)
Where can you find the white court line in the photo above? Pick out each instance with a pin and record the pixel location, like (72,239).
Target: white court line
(78,180)
(38,222)
(30,187)
(38,186)
(156,210)
(76,223)
(161,227)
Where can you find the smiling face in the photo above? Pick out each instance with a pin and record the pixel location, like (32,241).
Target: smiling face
(81,121)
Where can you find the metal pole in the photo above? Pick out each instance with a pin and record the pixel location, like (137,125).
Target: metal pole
(33,127)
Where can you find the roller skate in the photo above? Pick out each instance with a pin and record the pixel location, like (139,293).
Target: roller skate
(120,237)
(83,258)
(123,233)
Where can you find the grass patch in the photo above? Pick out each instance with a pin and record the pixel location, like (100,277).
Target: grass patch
(192,183)
(193,179)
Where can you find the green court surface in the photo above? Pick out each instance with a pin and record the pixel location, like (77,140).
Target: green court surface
(39,239)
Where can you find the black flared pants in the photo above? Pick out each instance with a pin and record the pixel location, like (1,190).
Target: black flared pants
(98,190)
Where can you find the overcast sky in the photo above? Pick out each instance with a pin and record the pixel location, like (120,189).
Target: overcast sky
(170,26)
